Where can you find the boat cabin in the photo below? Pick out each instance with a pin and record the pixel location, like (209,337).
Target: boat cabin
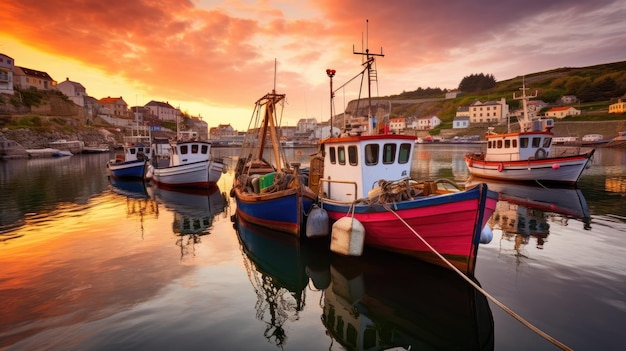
(133,152)
(354,165)
(531,145)
(189,152)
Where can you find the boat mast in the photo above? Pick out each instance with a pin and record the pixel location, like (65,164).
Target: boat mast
(525,121)
(369,60)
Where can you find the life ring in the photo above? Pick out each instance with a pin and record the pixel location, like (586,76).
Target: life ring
(540,154)
(500,167)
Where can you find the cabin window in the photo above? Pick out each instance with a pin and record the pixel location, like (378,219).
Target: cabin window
(489,144)
(523,143)
(404,154)
(515,143)
(499,144)
(341,155)
(536,142)
(194,148)
(389,153)
(353,155)
(547,142)
(333,155)
(205,149)
(507,144)
(184,149)
(132,151)
(371,154)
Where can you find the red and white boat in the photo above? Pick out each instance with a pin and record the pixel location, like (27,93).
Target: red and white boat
(364,173)
(527,155)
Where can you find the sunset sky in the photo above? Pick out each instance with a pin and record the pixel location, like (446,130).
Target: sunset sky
(216,58)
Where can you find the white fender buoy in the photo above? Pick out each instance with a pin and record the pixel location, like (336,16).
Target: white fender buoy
(317,224)
(486,235)
(347,237)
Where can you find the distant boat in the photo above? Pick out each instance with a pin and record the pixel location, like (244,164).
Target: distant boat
(94,149)
(131,163)
(190,165)
(61,153)
(527,155)
(363,178)
(270,194)
(73,146)
(618,141)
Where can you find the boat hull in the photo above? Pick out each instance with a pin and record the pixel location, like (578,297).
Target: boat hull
(451,224)
(564,170)
(191,175)
(263,209)
(130,169)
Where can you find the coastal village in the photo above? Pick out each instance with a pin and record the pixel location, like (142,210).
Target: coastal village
(116,117)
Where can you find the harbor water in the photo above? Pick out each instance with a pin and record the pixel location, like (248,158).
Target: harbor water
(87,263)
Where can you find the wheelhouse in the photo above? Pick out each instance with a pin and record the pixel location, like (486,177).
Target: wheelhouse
(518,146)
(354,165)
(189,152)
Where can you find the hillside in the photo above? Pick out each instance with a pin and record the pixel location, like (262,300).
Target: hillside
(595,86)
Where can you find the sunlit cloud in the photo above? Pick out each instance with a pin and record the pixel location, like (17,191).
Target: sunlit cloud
(215,58)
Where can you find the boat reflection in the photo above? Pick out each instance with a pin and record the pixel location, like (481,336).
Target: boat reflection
(374,302)
(138,203)
(193,211)
(133,188)
(279,268)
(525,212)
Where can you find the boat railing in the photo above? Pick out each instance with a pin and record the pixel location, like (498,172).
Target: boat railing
(328,198)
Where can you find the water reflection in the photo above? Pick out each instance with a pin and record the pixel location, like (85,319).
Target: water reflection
(374,302)
(138,204)
(193,213)
(524,213)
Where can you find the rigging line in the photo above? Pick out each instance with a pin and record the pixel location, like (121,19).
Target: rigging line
(481,290)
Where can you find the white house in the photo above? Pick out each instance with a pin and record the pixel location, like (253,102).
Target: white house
(427,123)
(74,91)
(164,111)
(7,65)
(460,122)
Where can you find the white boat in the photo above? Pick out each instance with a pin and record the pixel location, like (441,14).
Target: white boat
(73,146)
(527,155)
(190,166)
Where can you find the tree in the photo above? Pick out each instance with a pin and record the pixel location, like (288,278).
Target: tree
(477,82)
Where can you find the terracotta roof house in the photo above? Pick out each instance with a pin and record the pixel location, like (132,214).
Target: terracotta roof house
(562,112)
(116,105)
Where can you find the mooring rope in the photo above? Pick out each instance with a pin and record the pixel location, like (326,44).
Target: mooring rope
(482,291)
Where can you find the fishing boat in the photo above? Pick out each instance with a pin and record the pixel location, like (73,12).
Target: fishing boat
(270,193)
(190,165)
(527,155)
(131,162)
(363,180)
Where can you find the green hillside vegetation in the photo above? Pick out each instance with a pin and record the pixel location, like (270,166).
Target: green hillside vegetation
(596,87)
